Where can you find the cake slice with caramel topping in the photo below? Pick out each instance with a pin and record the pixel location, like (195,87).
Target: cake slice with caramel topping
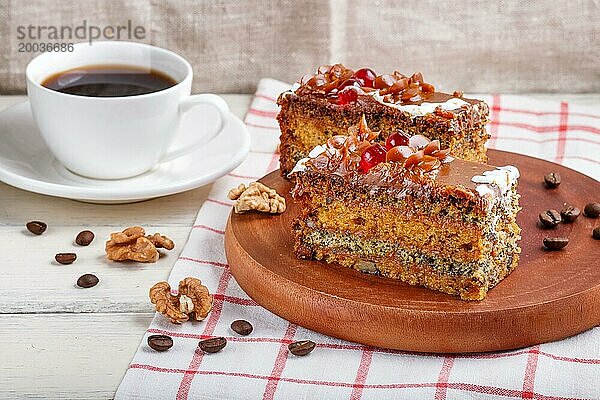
(328,102)
(407,210)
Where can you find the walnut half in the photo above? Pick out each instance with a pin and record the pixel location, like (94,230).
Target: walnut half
(132,245)
(256,196)
(161,242)
(167,304)
(192,300)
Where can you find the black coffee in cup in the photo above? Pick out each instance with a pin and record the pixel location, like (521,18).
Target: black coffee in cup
(109,81)
(112,110)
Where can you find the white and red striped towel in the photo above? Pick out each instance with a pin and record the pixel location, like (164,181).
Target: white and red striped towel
(258,366)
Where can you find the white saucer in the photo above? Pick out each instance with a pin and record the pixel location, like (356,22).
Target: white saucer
(26,162)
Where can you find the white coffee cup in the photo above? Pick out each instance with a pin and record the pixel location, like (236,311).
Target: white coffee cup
(117,137)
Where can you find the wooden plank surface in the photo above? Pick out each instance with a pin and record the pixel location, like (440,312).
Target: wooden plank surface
(33,282)
(67,356)
(56,328)
(52,330)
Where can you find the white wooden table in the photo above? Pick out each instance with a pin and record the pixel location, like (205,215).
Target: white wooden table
(56,344)
(60,343)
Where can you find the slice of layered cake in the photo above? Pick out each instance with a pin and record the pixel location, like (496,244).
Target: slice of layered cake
(329,102)
(408,211)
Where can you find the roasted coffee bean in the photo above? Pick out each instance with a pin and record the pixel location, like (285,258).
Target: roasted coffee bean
(550,218)
(84,238)
(242,327)
(87,281)
(569,213)
(212,345)
(36,227)
(65,258)
(160,342)
(555,243)
(301,348)
(592,210)
(552,180)
(596,233)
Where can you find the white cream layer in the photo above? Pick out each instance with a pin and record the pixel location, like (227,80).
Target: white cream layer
(414,110)
(501,178)
(301,164)
(423,108)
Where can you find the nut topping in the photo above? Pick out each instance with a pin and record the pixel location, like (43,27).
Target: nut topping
(341,85)
(418,141)
(357,152)
(384,81)
(414,159)
(444,113)
(421,153)
(399,153)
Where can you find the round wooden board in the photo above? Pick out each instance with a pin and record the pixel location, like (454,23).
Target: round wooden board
(550,295)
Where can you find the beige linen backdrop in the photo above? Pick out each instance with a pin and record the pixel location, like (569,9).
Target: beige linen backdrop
(505,46)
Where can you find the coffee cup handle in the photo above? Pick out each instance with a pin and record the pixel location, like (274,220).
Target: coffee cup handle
(187,104)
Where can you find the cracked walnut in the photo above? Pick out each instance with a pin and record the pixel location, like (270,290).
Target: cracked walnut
(192,300)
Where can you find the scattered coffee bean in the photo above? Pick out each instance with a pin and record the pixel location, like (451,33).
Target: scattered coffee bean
(212,345)
(555,243)
(592,210)
(36,227)
(552,180)
(569,213)
(550,218)
(241,327)
(87,281)
(301,348)
(84,238)
(160,342)
(65,258)
(596,233)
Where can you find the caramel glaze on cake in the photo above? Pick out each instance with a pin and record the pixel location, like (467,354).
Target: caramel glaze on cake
(322,106)
(449,226)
